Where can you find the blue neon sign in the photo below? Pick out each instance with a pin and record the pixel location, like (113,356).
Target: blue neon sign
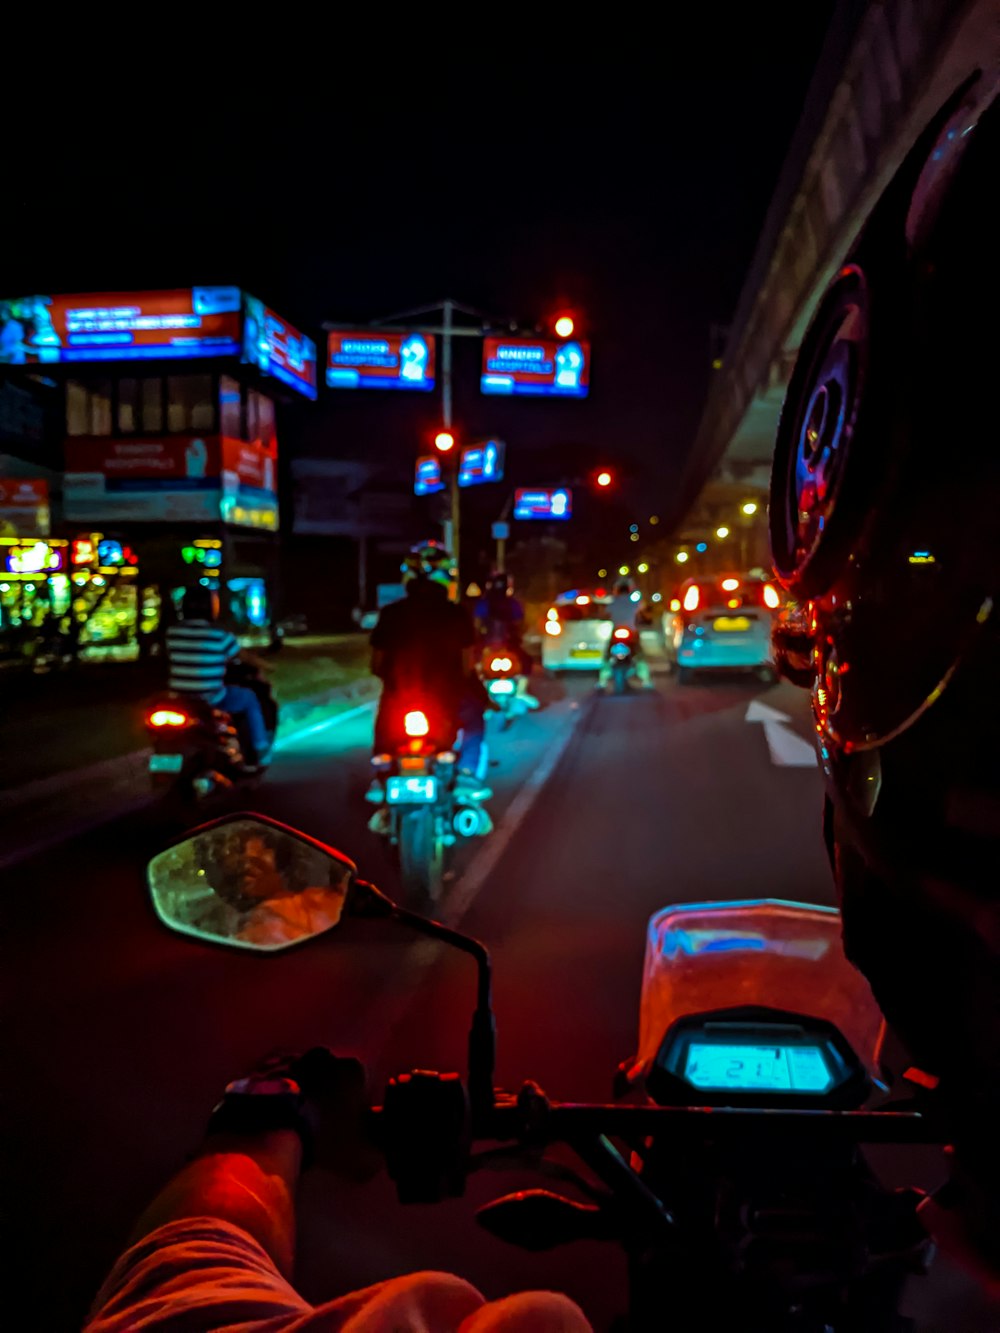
(482,462)
(543,504)
(543,368)
(427,478)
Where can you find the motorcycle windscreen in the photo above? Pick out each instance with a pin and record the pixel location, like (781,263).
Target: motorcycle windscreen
(783,955)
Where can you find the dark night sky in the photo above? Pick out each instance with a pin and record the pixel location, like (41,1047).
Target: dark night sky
(627,179)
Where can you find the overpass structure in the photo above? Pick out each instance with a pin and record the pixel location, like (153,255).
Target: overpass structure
(886,68)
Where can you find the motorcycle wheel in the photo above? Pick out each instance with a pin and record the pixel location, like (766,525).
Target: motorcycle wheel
(621,680)
(421,855)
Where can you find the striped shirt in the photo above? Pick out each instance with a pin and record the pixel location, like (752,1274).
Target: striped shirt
(198,653)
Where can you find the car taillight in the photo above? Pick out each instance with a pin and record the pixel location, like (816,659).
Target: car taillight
(553,627)
(168,717)
(771,597)
(621,633)
(501,664)
(691,598)
(675,603)
(416,724)
(730,585)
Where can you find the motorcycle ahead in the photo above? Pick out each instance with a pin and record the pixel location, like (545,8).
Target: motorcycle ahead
(734,1180)
(502,672)
(423,810)
(197,753)
(622,654)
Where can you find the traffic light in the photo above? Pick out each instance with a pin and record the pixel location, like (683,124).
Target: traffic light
(604,478)
(564,326)
(444,441)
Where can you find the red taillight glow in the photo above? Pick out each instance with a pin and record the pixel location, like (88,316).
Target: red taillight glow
(730,585)
(583,600)
(691,598)
(416,724)
(553,627)
(167,717)
(621,632)
(501,664)
(771,597)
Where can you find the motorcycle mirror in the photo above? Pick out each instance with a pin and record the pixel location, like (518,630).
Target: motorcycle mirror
(251,883)
(792,645)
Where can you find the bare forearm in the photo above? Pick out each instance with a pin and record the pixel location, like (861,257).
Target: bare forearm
(247,1181)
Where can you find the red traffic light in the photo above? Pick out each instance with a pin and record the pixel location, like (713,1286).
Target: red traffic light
(604,478)
(564,326)
(444,441)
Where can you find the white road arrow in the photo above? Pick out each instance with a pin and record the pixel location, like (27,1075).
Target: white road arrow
(787,749)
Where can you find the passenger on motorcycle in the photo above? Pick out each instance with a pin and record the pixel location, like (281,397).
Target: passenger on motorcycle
(625,612)
(423,653)
(499,614)
(199,651)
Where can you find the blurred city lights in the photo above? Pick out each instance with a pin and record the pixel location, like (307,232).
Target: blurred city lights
(702,547)
(623,569)
(602,573)
(634,537)
(604,478)
(657,597)
(643,568)
(633,527)
(722,533)
(564,329)
(654,519)
(444,440)
(681,557)
(750,508)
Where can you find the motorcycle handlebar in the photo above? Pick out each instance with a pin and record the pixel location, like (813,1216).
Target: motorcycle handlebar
(564,1122)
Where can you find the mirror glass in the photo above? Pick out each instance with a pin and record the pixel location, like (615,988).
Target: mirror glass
(246,883)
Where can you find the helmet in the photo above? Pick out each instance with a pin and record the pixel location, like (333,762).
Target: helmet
(623,587)
(200,603)
(884,491)
(429,561)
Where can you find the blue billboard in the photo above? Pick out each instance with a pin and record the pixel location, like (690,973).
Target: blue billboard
(480,463)
(427,477)
(277,348)
(374,359)
(543,503)
(545,367)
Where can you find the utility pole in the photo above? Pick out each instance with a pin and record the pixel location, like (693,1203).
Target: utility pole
(452,526)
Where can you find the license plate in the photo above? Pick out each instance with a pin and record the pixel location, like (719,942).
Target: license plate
(166,763)
(501,687)
(585,652)
(731,624)
(411,791)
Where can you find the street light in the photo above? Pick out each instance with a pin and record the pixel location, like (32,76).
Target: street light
(444,441)
(722,533)
(654,519)
(643,568)
(681,557)
(750,508)
(623,570)
(602,573)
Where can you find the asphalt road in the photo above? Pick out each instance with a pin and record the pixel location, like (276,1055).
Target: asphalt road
(124,1034)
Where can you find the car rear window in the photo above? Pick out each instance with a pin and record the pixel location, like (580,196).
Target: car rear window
(592,611)
(712,596)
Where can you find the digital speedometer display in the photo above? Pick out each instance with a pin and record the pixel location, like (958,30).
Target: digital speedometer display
(738,1067)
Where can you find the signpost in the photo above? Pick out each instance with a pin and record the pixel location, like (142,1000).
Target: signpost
(544,504)
(427,479)
(481,463)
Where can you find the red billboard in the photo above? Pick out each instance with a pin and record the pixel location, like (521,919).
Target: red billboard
(120,326)
(374,359)
(541,367)
(24,507)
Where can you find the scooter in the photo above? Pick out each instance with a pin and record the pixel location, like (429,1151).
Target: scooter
(730,1170)
(622,654)
(502,672)
(423,811)
(197,754)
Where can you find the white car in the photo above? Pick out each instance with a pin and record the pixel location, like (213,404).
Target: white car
(576,633)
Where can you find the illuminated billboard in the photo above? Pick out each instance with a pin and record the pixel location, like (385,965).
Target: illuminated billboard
(278,349)
(480,463)
(541,368)
(371,359)
(543,504)
(427,478)
(120,326)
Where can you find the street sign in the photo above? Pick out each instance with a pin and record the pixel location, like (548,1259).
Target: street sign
(481,462)
(542,367)
(543,504)
(427,478)
(501,531)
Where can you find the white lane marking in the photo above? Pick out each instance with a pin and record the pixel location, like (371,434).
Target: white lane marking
(787,749)
(289,738)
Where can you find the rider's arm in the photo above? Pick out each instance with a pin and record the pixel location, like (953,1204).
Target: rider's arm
(246,1180)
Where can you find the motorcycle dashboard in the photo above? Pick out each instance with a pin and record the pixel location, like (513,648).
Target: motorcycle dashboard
(720,1059)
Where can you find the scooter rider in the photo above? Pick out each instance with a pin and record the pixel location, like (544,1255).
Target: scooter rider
(499,614)
(199,650)
(423,649)
(625,612)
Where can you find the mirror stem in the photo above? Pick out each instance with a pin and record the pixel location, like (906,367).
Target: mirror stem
(482,1033)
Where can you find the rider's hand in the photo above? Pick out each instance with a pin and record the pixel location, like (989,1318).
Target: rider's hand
(336,1091)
